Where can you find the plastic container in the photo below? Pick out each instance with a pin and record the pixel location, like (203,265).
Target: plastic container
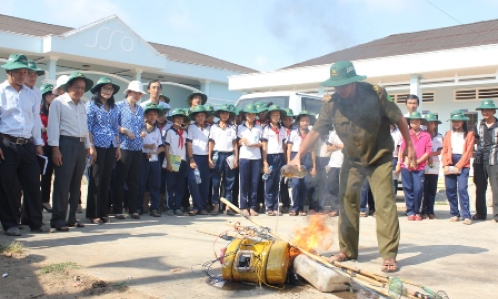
(197,174)
(324,279)
(265,176)
(293,171)
(215,157)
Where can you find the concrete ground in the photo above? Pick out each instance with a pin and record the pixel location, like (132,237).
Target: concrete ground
(162,257)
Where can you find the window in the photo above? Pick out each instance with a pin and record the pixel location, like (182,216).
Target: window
(428,97)
(476,94)
(312,105)
(473,120)
(400,98)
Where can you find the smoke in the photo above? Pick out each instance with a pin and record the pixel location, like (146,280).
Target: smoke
(310,26)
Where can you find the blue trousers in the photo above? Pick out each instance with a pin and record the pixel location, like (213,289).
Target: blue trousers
(248,183)
(430,189)
(176,186)
(300,186)
(199,192)
(367,199)
(221,169)
(150,174)
(413,187)
(333,187)
(456,188)
(273,181)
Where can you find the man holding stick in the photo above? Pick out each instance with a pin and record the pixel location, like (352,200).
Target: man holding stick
(361,114)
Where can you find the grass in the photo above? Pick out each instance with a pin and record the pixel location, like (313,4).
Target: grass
(13,248)
(57,268)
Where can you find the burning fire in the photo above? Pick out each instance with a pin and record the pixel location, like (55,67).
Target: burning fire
(317,235)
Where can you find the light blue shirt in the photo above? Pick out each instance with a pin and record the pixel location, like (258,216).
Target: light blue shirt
(133,122)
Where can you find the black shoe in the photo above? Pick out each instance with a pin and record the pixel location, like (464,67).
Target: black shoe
(44,229)
(155,213)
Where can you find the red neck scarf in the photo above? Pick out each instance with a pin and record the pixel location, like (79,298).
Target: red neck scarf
(287,131)
(181,141)
(276,130)
(302,136)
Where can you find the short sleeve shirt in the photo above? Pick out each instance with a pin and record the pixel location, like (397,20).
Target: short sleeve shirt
(295,139)
(362,123)
(336,157)
(199,139)
(254,136)
(176,139)
(153,137)
(274,139)
(223,138)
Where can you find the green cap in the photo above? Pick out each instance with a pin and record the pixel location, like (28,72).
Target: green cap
(77,75)
(224,107)
(416,115)
(15,62)
(250,108)
(342,73)
(487,104)
(238,110)
(32,67)
(204,98)
(103,81)
(431,117)
(289,112)
(46,87)
(261,107)
(198,109)
(154,107)
(181,112)
(306,113)
(276,107)
(166,99)
(458,115)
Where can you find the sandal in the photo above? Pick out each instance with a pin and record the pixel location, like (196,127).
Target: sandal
(120,216)
(363,214)
(270,213)
(389,265)
(203,212)
(97,221)
(333,214)
(304,214)
(341,256)
(62,229)
(292,213)
(193,212)
(253,213)
(135,215)
(244,212)
(76,224)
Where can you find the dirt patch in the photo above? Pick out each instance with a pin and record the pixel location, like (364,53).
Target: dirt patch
(26,276)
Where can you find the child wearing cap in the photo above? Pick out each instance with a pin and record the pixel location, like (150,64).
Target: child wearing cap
(197,153)
(163,124)
(150,171)
(273,156)
(458,145)
(249,135)
(300,186)
(413,175)
(432,167)
(222,145)
(175,150)
(287,123)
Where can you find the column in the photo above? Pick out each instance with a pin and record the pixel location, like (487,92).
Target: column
(52,69)
(205,87)
(320,90)
(415,89)
(136,75)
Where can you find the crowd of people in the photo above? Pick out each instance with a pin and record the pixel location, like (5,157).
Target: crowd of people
(144,157)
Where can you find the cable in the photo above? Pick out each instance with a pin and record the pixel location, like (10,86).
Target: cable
(444,12)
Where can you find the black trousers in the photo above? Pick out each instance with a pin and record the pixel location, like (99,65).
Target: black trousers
(483,173)
(127,170)
(67,181)
(46,179)
(18,170)
(97,204)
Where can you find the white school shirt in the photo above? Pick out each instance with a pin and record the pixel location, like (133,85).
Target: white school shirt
(254,136)
(437,144)
(295,139)
(397,137)
(321,146)
(199,139)
(337,156)
(153,137)
(457,143)
(223,138)
(274,140)
(176,147)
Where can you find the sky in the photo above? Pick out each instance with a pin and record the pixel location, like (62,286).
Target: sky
(264,35)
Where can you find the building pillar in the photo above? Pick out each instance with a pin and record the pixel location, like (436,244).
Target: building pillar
(52,69)
(320,90)
(205,87)
(415,89)
(137,75)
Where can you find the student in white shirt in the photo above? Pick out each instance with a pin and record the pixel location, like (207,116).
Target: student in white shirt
(287,122)
(335,145)
(273,156)
(300,186)
(163,124)
(397,137)
(432,167)
(317,190)
(222,145)
(150,171)
(198,158)
(175,142)
(249,135)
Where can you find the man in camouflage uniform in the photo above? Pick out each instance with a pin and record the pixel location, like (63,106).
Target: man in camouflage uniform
(361,113)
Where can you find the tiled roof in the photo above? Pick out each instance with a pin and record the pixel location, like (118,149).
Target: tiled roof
(474,34)
(23,26)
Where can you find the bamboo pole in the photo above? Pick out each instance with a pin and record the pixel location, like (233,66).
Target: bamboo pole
(371,277)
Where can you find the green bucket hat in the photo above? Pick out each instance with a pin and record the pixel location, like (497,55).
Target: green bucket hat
(103,81)
(224,107)
(289,112)
(458,115)
(15,62)
(152,106)
(46,87)
(250,108)
(431,117)
(276,107)
(487,104)
(342,73)
(77,75)
(32,67)
(166,99)
(198,109)
(209,109)
(306,113)
(204,98)
(181,112)
(238,110)
(416,115)
(261,107)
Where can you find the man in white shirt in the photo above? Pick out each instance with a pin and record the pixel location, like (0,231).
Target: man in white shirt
(20,141)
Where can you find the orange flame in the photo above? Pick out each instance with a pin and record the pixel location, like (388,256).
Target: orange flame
(317,235)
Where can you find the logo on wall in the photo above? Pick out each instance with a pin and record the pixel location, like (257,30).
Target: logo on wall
(127,44)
